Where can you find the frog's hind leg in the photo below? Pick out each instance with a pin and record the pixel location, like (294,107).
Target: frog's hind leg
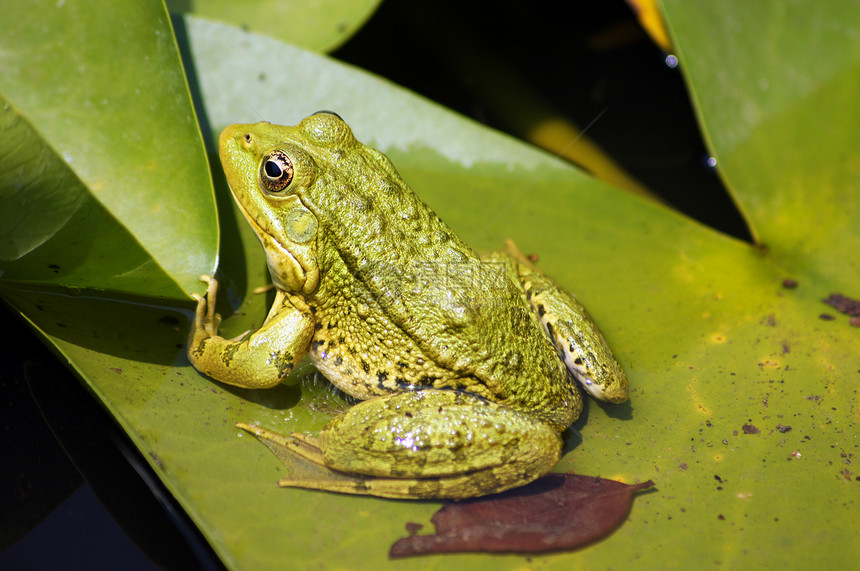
(421,444)
(580,343)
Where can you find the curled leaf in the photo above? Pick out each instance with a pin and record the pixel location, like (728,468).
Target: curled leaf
(558,511)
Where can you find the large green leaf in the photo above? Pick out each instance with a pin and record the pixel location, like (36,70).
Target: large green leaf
(782,122)
(713,343)
(320,25)
(103,180)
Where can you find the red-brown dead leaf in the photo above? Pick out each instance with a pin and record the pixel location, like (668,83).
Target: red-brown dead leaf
(558,511)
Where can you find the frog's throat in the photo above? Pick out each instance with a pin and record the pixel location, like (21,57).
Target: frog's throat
(286,270)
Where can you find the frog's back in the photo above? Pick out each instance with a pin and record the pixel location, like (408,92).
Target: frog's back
(465,317)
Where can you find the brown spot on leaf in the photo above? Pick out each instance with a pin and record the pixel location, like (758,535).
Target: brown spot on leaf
(750,429)
(843,303)
(157,460)
(558,511)
(789,283)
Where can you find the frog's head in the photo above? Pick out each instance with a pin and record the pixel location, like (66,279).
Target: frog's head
(269,168)
(310,189)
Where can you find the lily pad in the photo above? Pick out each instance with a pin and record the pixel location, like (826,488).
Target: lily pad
(103,178)
(711,338)
(320,26)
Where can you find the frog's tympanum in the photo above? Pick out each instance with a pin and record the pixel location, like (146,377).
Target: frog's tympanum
(465,365)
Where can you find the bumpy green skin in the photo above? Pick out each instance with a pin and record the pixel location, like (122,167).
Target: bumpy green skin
(460,360)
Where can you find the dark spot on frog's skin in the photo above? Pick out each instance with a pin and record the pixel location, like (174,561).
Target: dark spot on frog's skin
(382,376)
(550,329)
(284,363)
(332,343)
(318,326)
(341,339)
(226,355)
(365,366)
(338,360)
(408,414)
(578,360)
(401,382)
(317,344)
(528,291)
(200,349)
(402,365)
(383,225)
(541,309)
(427,380)
(313,309)
(330,325)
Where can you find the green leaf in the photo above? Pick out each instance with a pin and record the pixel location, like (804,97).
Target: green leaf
(103,179)
(710,338)
(320,26)
(777,85)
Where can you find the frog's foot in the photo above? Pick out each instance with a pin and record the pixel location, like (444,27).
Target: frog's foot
(512,250)
(258,360)
(206,321)
(304,461)
(286,448)
(422,444)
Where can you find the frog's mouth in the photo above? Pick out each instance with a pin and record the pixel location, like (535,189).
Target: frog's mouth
(287,271)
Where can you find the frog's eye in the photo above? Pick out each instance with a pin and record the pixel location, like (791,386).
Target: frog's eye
(276,172)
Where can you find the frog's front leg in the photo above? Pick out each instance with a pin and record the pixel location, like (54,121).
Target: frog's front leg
(421,444)
(259,360)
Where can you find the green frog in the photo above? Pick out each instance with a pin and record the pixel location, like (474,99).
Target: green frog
(466,366)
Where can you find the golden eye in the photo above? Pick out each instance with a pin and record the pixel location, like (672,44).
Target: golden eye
(276,172)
